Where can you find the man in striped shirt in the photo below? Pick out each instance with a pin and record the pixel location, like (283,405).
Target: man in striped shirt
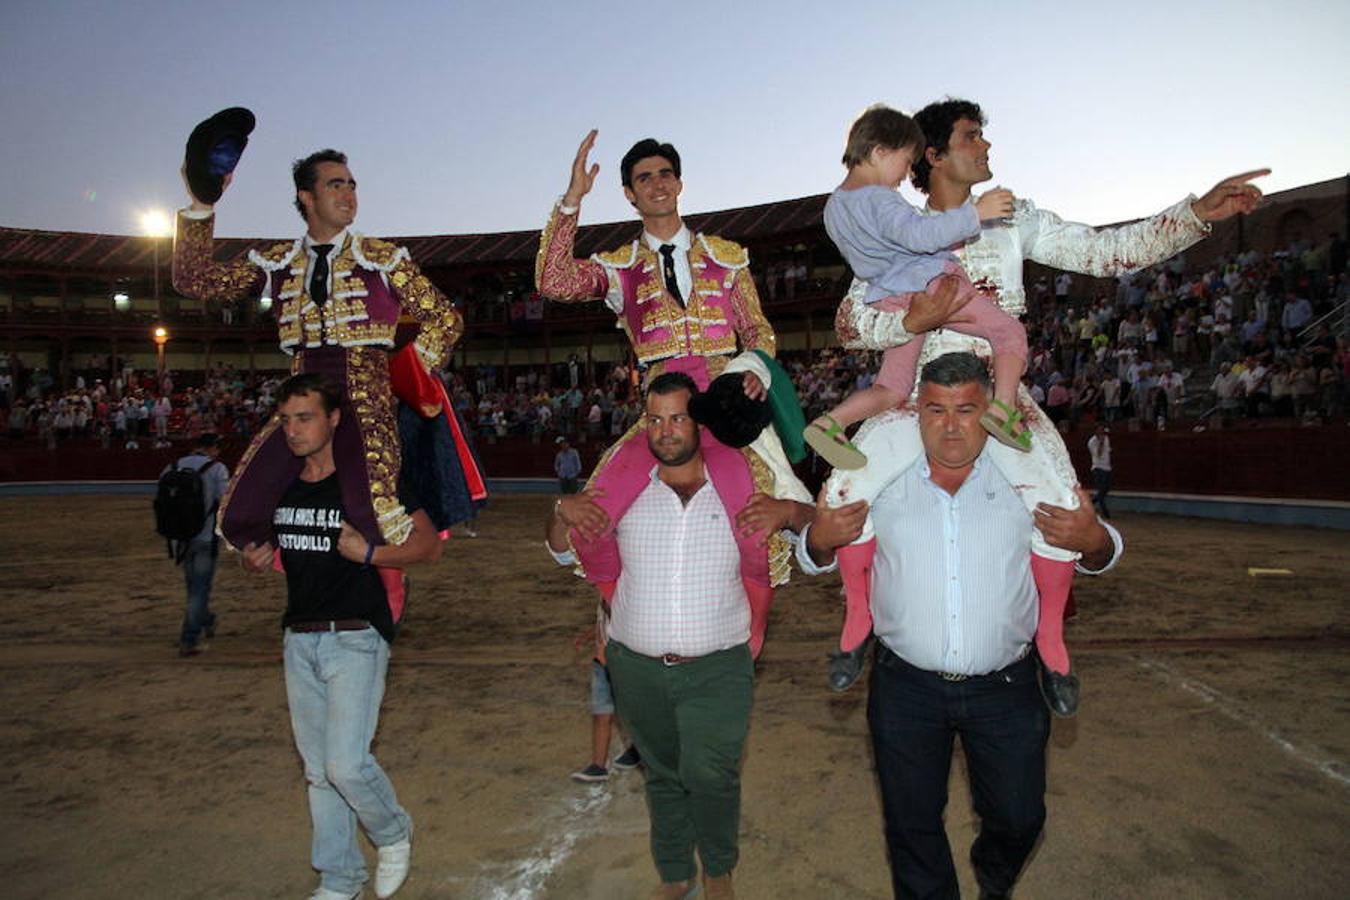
(955,611)
(678,652)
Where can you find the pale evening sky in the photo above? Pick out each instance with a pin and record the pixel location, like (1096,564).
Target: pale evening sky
(463,117)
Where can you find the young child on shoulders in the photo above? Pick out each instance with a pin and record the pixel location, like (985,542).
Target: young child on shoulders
(901,252)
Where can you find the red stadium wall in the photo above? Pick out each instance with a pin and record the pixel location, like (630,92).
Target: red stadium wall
(1294,463)
(85,461)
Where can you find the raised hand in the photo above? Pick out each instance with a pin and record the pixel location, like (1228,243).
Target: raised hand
(1230,197)
(583,178)
(197,204)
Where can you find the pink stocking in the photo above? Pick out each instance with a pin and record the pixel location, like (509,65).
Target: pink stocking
(1053,578)
(392,579)
(761,598)
(855,567)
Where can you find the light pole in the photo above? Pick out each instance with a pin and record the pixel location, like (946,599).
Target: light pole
(155,224)
(161,336)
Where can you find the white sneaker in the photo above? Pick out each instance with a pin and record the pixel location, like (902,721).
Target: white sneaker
(392,870)
(324,893)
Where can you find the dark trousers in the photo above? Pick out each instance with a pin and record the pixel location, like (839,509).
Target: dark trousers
(1004,726)
(1101,480)
(689,722)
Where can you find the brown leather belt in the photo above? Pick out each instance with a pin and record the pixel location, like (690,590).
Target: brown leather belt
(330,625)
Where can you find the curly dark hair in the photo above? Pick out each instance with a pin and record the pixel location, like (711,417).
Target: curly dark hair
(937,121)
(306,171)
(642,150)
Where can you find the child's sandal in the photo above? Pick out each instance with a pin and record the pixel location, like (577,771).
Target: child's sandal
(833,445)
(1003,429)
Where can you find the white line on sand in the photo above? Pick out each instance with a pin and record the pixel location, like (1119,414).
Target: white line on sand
(1319,759)
(575,818)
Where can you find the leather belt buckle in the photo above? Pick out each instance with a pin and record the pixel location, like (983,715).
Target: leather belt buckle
(673,659)
(952,676)
(330,626)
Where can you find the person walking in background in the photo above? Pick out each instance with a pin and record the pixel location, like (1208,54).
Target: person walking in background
(567,466)
(198,554)
(1099,447)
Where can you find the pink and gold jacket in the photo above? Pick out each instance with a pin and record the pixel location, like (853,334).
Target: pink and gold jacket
(698,339)
(722,307)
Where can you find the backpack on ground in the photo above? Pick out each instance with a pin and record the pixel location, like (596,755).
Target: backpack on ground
(180,503)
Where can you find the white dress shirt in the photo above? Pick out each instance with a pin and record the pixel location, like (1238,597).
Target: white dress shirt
(335,244)
(682,241)
(952,589)
(680,590)
(1099,448)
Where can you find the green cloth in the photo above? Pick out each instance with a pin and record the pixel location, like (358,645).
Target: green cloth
(689,722)
(788,420)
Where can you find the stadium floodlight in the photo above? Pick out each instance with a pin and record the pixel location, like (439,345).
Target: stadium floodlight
(161,336)
(155,223)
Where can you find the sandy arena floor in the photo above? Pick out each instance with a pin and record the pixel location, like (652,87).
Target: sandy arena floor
(1211,758)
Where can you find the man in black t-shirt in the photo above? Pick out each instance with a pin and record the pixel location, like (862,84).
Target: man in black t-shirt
(338,626)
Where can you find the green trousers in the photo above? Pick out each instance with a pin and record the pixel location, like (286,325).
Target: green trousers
(689,722)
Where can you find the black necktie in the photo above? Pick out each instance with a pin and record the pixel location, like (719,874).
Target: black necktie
(318,279)
(668,272)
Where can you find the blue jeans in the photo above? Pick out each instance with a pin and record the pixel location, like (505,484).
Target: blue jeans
(1003,723)
(602,693)
(334,684)
(199,567)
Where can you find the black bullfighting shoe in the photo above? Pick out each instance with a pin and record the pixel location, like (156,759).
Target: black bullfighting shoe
(847,665)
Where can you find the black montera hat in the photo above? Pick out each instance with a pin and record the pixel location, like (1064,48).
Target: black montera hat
(733,418)
(213,150)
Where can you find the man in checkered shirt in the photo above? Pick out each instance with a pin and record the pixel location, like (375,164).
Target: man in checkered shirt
(678,652)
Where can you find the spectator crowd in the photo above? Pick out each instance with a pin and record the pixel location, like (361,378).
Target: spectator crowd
(1251,336)
(133,409)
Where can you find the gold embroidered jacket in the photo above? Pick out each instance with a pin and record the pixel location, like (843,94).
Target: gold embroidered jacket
(723,305)
(372,282)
